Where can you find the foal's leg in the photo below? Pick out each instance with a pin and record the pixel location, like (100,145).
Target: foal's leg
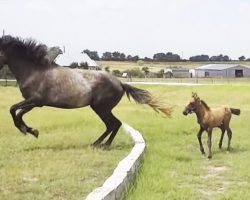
(229,134)
(222,135)
(209,142)
(199,139)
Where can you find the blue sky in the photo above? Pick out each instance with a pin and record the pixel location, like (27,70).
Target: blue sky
(137,27)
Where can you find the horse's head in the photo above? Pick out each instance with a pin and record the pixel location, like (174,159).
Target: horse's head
(192,104)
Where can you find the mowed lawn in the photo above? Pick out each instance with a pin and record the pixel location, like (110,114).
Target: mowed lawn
(60,164)
(173,166)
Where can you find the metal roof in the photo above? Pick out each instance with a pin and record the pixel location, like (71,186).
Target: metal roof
(218,66)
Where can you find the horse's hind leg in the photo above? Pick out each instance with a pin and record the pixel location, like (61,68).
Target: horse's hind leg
(222,135)
(106,118)
(199,139)
(116,124)
(209,142)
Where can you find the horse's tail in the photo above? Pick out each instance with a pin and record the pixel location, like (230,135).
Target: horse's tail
(235,111)
(144,97)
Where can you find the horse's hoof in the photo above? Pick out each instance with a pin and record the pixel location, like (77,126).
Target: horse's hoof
(105,146)
(34,132)
(95,145)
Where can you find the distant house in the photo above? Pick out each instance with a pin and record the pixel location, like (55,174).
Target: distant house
(66,59)
(222,70)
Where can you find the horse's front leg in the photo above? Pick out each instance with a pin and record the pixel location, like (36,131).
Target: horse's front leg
(200,141)
(209,142)
(13,110)
(24,107)
(28,129)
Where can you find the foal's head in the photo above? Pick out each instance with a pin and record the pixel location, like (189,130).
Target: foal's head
(193,104)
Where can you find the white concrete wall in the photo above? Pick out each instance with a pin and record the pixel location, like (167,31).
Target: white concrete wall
(116,186)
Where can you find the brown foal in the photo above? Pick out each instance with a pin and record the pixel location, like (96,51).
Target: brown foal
(209,118)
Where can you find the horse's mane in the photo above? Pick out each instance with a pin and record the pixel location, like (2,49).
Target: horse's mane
(205,104)
(28,50)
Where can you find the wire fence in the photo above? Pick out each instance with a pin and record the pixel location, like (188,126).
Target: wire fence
(8,82)
(12,82)
(191,80)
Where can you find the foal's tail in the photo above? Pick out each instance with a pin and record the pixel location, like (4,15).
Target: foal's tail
(235,111)
(144,97)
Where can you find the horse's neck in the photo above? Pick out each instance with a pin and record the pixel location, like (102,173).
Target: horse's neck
(200,113)
(22,71)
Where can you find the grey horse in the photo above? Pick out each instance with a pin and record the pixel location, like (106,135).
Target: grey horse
(43,83)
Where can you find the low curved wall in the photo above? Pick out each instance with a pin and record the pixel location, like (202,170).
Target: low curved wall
(117,184)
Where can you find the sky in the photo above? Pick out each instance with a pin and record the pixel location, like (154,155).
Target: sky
(136,27)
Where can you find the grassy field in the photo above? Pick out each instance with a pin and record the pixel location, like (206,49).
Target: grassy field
(60,164)
(173,167)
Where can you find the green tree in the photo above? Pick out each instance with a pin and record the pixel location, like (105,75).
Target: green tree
(107,69)
(140,62)
(116,72)
(84,65)
(74,65)
(242,58)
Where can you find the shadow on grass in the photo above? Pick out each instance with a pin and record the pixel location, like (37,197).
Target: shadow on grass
(183,158)
(57,147)
(233,150)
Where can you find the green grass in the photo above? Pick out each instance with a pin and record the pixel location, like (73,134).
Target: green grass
(174,167)
(60,164)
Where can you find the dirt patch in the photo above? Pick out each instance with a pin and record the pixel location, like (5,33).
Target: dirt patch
(214,171)
(214,183)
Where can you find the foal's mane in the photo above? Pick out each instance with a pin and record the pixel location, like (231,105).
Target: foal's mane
(28,50)
(205,104)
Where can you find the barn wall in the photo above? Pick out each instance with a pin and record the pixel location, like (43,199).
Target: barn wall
(223,73)
(212,73)
(231,72)
(181,74)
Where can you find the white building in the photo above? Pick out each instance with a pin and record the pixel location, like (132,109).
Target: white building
(222,70)
(66,59)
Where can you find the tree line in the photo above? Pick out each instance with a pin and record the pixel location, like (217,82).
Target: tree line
(161,57)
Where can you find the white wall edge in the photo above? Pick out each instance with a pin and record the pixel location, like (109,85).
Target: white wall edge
(116,186)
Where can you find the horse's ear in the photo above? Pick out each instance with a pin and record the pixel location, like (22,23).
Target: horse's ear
(194,94)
